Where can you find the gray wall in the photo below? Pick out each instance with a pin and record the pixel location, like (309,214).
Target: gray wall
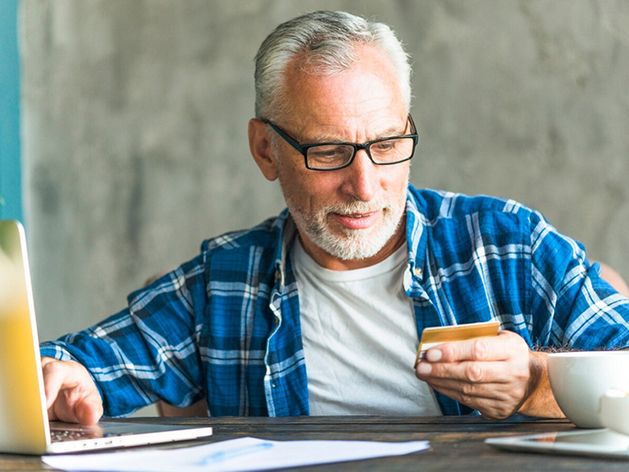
(135,115)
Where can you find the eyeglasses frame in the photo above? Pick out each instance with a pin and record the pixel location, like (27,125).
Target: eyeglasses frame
(303,148)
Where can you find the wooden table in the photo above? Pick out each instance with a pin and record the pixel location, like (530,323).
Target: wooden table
(456,443)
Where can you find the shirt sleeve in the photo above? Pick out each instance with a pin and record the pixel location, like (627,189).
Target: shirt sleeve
(571,305)
(149,351)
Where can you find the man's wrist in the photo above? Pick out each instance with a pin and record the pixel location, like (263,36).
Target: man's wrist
(539,400)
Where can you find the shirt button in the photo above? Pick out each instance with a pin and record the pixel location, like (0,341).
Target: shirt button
(273,385)
(418,272)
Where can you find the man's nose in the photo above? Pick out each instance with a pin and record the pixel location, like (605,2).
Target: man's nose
(362,177)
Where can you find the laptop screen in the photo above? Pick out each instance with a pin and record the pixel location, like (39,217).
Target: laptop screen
(23,417)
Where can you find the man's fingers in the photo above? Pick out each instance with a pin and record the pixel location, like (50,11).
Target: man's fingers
(89,410)
(479,349)
(71,394)
(496,348)
(53,380)
(482,390)
(472,372)
(75,406)
(492,407)
(493,400)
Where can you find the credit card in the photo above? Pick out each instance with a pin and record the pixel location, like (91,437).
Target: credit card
(432,337)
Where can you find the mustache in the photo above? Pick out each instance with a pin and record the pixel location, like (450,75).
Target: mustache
(356,207)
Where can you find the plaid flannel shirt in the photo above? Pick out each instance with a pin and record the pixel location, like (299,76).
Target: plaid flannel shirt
(225,325)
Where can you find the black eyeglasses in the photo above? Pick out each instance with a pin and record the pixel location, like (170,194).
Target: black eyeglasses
(334,156)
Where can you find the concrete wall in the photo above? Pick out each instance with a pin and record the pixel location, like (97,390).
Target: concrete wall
(135,114)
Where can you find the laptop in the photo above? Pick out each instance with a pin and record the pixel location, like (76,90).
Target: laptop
(24,425)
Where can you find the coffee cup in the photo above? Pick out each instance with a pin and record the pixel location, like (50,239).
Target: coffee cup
(579,380)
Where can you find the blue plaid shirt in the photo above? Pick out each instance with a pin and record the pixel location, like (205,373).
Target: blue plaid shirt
(225,326)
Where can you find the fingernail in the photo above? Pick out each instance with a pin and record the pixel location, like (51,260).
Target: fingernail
(424,368)
(433,355)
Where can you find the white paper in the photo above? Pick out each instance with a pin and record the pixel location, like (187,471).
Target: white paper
(244,454)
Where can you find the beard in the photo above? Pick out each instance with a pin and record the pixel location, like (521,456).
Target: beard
(344,243)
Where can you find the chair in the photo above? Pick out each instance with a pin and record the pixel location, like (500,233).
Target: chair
(169,411)
(614,279)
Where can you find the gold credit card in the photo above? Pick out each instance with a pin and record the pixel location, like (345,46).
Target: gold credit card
(432,337)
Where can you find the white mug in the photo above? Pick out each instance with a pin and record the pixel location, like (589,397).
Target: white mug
(579,380)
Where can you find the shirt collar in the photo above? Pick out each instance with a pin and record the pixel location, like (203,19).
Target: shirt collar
(286,230)
(415,232)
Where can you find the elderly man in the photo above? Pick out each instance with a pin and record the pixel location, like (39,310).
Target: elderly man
(319,310)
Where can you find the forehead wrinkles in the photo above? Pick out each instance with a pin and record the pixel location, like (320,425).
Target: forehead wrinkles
(313,134)
(342,109)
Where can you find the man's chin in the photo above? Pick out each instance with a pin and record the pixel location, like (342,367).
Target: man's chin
(352,248)
(350,244)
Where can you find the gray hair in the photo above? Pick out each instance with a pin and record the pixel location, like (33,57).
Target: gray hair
(325,39)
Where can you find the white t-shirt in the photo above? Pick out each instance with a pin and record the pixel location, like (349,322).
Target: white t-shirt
(360,339)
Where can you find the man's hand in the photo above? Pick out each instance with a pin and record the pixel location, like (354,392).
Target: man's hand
(497,376)
(71,394)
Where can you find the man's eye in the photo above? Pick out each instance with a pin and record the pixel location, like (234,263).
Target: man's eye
(383,146)
(327,152)
(324,154)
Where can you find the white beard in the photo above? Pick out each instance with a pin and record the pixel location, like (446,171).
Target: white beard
(350,244)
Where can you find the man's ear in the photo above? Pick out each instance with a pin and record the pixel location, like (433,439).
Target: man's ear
(262,149)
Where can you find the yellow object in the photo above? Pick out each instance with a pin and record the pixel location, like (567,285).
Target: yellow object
(432,337)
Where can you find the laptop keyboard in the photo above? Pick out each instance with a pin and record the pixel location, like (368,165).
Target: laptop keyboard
(65,435)
(60,432)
